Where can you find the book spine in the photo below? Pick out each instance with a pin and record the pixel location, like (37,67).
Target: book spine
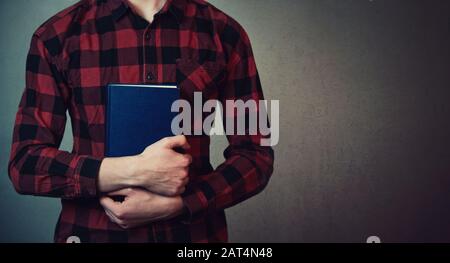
(107,120)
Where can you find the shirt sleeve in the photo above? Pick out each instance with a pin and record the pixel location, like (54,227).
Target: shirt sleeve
(37,166)
(248,165)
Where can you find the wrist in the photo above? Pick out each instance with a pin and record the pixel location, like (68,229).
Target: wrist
(117,173)
(131,171)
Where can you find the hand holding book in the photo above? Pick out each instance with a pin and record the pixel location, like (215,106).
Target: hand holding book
(151,183)
(162,169)
(159,168)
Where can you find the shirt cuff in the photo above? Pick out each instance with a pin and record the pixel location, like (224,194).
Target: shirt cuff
(196,205)
(87,178)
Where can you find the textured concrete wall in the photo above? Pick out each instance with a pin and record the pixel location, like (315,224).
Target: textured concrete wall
(365,132)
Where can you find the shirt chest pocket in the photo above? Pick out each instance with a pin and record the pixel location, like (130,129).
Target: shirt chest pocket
(193,76)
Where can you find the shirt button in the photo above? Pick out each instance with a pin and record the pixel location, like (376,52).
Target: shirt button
(150,76)
(148,36)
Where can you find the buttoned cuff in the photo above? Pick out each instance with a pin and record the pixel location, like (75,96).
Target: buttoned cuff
(196,205)
(87,180)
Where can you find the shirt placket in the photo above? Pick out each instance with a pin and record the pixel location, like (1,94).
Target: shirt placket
(149,72)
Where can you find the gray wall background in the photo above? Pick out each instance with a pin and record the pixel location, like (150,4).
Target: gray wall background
(365,132)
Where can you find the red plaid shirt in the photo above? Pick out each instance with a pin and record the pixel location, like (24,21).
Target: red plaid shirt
(75,54)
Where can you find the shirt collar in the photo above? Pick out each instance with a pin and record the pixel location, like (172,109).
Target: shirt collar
(173,7)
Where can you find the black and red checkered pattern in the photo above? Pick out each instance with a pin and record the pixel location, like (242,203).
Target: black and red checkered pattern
(75,54)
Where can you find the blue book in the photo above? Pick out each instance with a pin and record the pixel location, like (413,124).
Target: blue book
(137,116)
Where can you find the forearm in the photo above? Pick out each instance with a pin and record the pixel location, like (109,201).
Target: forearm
(117,173)
(47,171)
(243,175)
(53,175)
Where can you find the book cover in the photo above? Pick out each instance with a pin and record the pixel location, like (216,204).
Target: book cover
(137,116)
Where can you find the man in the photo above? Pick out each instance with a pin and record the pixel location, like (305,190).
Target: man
(168,196)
